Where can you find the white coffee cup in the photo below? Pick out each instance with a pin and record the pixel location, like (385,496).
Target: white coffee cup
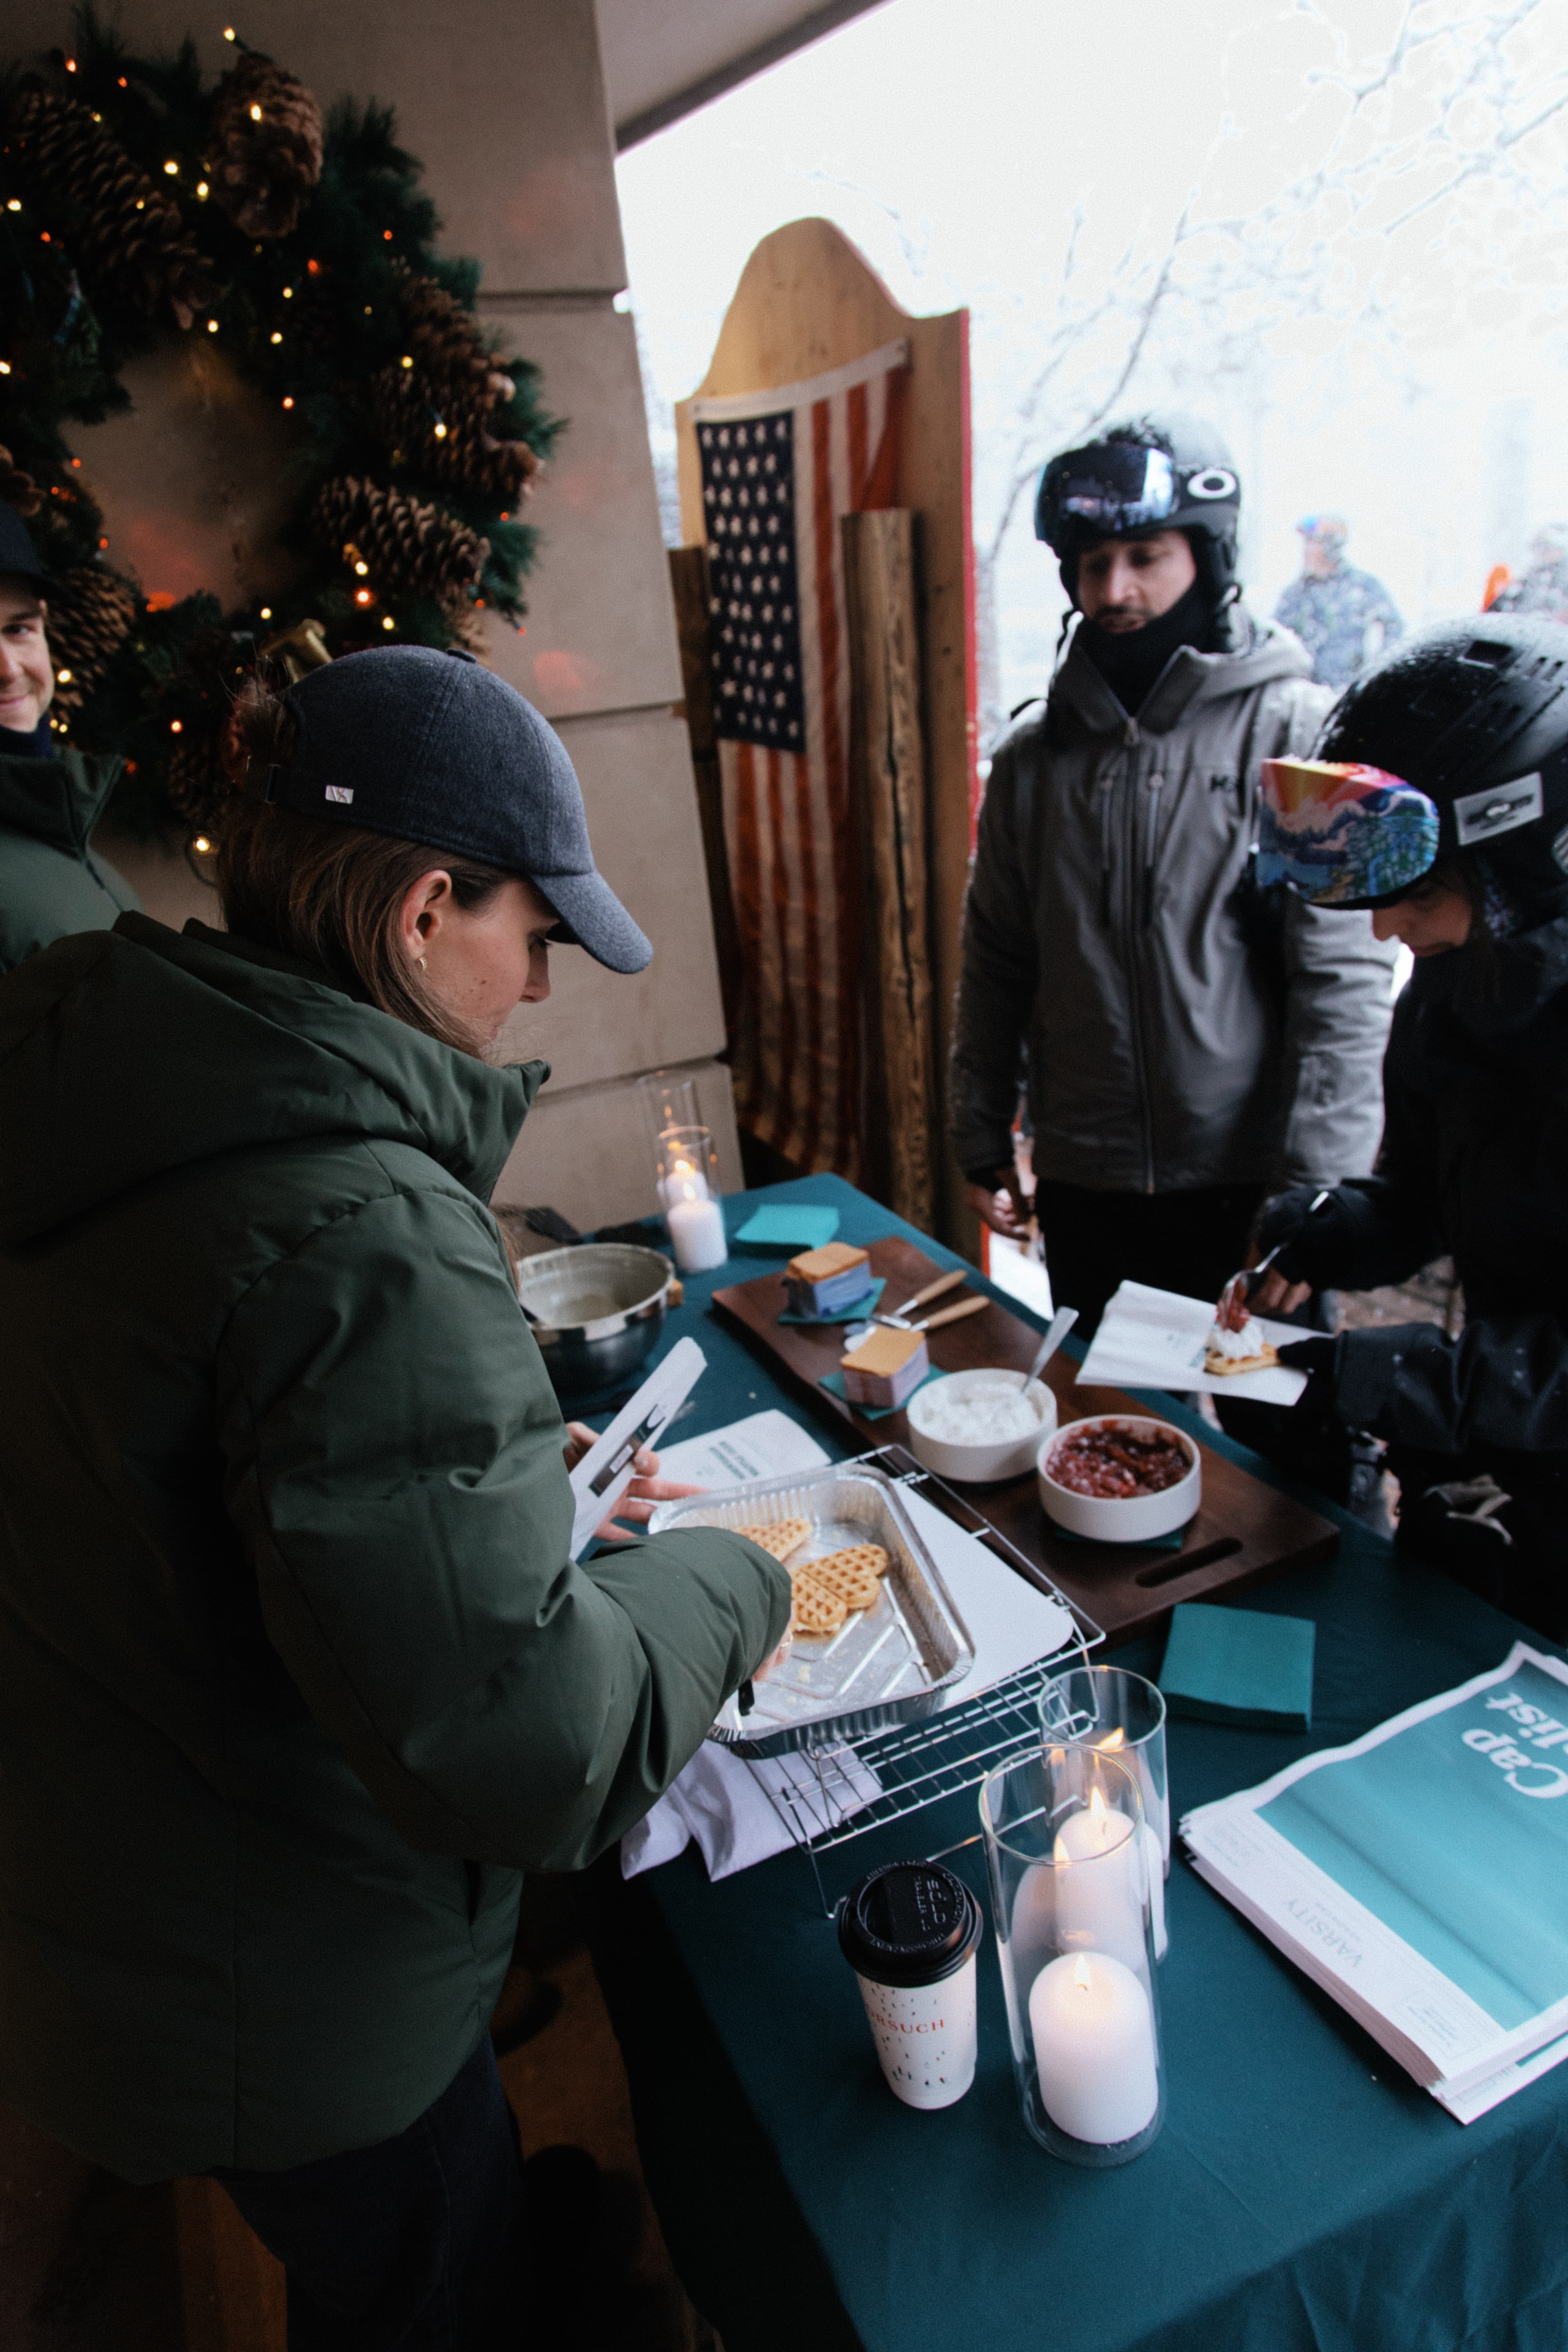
(925,2036)
(911,1931)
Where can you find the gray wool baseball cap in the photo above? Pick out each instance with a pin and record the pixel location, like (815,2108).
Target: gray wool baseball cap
(432,747)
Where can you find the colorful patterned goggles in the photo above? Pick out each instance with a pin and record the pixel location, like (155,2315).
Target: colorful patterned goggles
(1340,835)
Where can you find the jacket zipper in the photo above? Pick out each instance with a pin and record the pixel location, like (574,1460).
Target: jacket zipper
(1132,938)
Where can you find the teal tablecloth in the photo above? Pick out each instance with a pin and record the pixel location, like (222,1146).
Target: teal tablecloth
(1303,2196)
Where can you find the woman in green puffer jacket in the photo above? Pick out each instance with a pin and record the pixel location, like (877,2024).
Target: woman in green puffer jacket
(298,1673)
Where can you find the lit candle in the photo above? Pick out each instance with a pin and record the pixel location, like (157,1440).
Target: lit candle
(684,1182)
(1093,2032)
(1102,1903)
(697,1230)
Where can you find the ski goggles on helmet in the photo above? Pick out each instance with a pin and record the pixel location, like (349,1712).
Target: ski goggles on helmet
(1112,487)
(1343,835)
(1102,491)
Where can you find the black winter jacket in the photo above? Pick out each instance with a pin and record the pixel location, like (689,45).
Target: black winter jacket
(1474,1162)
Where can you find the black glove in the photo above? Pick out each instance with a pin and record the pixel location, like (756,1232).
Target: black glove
(1316,1241)
(1319,1358)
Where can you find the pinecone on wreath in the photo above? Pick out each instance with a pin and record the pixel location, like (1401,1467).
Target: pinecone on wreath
(264,138)
(127,232)
(449,436)
(18,489)
(438,408)
(410,548)
(443,339)
(86,634)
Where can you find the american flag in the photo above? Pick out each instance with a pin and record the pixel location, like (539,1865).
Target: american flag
(779,469)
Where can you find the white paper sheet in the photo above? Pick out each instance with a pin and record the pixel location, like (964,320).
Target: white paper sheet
(722,1801)
(1010,1625)
(1156,1340)
(764,1445)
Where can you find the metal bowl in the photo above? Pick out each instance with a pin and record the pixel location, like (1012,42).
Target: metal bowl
(596,1310)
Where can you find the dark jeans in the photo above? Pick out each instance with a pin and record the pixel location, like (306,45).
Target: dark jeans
(1192,1241)
(415,2245)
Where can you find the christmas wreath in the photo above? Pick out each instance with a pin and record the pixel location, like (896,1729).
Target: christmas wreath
(136,204)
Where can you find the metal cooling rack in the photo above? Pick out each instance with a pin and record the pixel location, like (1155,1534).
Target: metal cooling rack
(826,1797)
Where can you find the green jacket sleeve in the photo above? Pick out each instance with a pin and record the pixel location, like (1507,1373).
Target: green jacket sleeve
(395,1470)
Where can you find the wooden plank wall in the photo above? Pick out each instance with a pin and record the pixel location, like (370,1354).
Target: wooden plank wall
(808,301)
(889,768)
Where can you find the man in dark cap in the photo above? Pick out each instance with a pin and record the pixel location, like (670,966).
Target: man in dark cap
(51,882)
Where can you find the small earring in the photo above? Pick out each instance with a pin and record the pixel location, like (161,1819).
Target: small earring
(421,964)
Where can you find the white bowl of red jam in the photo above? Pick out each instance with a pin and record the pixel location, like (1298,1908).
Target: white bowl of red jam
(1119,1478)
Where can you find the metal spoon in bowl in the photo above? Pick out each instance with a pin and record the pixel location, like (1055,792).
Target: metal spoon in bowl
(1061,1324)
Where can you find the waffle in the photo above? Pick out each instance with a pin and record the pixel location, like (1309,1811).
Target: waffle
(782,1536)
(854,1575)
(817,1610)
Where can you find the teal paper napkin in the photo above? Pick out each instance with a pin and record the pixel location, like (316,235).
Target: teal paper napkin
(834,1383)
(859,1311)
(1238,1665)
(786,1228)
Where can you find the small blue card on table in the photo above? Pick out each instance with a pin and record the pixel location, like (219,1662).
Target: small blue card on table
(783,1227)
(1238,1665)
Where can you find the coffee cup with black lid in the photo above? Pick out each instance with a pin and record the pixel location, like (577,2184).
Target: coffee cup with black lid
(911,1931)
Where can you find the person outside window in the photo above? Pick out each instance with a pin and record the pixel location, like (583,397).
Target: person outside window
(1345,618)
(1543,586)
(299,1674)
(51,796)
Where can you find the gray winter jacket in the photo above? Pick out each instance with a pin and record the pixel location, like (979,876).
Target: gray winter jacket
(1181,1028)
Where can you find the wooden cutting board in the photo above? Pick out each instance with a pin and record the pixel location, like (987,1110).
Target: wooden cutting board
(1244,1530)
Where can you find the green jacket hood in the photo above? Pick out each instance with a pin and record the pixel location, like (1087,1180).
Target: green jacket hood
(57,800)
(125,1054)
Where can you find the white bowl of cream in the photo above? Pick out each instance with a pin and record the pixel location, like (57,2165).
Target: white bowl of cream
(980,1426)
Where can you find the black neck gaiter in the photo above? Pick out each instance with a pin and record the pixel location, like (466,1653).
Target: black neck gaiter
(1130,660)
(30,743)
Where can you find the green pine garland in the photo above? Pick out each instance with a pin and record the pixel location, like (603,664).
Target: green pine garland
(308,317)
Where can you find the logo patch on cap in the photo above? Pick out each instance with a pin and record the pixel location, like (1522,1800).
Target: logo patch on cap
(339,793)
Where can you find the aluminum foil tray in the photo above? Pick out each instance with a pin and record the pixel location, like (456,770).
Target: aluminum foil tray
(888,1663)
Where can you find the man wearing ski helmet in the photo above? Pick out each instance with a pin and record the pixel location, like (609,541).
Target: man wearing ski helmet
(1192,1041)
(1439,799)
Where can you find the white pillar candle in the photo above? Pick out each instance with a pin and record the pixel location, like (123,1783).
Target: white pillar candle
(697,1230)
(1101,1903)
(684,1182)
(1093,2032)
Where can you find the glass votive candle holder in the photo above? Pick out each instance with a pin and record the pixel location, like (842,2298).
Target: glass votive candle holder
(688,1189)
(1121,1715)
(667,1101)
(1069,1893)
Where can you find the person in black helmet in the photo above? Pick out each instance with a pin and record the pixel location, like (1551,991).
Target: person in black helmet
(1193,1040)
(1439,800)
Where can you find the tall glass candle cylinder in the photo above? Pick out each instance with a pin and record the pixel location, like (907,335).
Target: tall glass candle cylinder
(689,1187)
(1122,1715)
(1069,1870)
